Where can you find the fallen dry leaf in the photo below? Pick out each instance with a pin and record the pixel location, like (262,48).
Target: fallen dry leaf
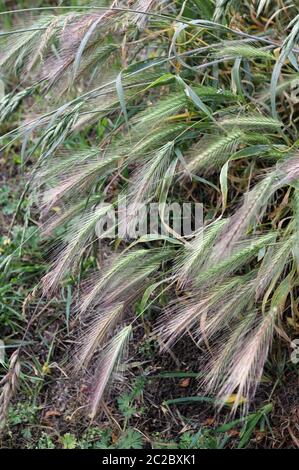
(208,422)
(184,383)
(50,414)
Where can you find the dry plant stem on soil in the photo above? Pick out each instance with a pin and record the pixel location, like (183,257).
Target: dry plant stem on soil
(192,102)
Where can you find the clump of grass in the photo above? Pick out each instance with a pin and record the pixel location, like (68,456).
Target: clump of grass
(184,99)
